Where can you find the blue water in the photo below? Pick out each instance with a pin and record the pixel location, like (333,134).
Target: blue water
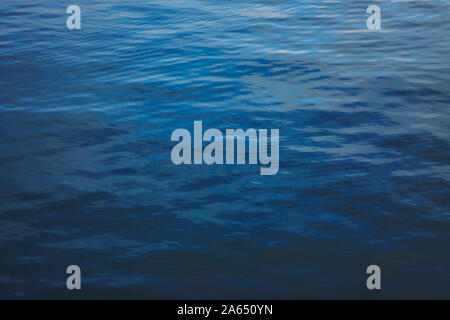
(86,176)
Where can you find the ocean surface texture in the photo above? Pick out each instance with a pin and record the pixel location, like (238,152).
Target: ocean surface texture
(86,176)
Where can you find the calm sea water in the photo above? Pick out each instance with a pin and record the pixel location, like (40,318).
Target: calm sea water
(85,170)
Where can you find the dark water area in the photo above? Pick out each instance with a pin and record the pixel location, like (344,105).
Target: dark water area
(86,176)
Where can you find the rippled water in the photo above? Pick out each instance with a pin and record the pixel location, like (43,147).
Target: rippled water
(85,171)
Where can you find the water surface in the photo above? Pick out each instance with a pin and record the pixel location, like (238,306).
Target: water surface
(85,171)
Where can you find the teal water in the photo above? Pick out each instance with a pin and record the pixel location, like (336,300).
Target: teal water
(85,171)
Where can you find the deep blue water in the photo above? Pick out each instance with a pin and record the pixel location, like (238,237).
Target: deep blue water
(85,171)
